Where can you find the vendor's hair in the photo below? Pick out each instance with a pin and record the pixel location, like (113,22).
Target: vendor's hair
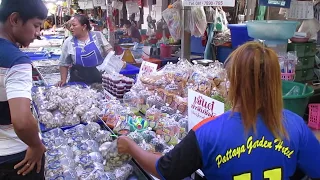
(84,20)
(256,87)
(127,22)
(27,9)
(80,11)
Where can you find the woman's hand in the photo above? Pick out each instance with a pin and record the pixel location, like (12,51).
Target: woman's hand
(61,83)
(32,159)
(125,144)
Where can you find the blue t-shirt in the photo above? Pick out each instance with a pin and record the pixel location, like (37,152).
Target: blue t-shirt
(222,150)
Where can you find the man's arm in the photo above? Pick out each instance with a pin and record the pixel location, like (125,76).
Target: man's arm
(18,84)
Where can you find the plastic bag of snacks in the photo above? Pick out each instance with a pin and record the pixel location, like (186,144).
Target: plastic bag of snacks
(144,94)
(173,19)
(153,115)
(167,109)
(113,158)
(123,172)
(169,130)
(132,99)
(156,101)
(148,135)
(136,137)
(158,144)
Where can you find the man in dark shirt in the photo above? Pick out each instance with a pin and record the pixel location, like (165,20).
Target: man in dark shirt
(133,32)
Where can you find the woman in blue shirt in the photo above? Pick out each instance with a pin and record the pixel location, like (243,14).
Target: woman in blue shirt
(256,140)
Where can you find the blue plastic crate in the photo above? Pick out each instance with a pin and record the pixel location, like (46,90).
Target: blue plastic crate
(239,34)
(130,70)
(196,46)
(223,53)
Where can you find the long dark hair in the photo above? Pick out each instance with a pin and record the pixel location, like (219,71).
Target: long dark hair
(83,20)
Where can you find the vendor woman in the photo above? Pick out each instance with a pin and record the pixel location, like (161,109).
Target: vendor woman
(82,52)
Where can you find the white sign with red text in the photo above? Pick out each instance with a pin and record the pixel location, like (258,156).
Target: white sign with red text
(201,107)
(228,3)
(147,68)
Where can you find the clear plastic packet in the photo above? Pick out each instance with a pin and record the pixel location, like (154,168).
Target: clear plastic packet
(92,128)
(156,101)
(158,144)
(114,159)
(66,106)
(45,117)
(71,120)
(169,130)
(153,115)
(198,21)
(181,104)
(183,122)
(123,172)
(57,132)
(136,137)
(147,147)
(104,148)
(103,136)
(177,116)
(167,109)
(132,99)
(80,110)
(91,115)
(144,94)
(148,135)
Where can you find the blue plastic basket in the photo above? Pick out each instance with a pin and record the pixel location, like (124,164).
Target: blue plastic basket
(130,70)
(42,126)
(239,34)
(223,53)
(196,46)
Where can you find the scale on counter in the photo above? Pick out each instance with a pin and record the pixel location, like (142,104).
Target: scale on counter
(127,54)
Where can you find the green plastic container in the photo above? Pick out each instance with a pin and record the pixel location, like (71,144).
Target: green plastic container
(296,103)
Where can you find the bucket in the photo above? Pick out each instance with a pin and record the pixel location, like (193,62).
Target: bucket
(296,103)
(165,51)
(239,34)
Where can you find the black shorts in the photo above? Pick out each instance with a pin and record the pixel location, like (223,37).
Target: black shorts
(7,172)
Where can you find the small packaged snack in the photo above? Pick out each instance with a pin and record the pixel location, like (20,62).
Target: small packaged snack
(158,144)
(183,122)
(153,115)
(155,100)
(66,106)
(123,172)
(71,120)
(177,116)
(181,104)
(113,158)
(167,109)
(133,100)
(91,115)
(136,137)
(148,135)
(103,136)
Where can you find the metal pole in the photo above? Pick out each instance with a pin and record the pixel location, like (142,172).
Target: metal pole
(186,36)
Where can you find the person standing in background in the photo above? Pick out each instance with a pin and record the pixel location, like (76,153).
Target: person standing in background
(21,150)
(47,23)
(132,31)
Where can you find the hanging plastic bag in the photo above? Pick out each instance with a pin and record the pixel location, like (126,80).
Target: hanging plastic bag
(220,22)
(198,21)
(132,7)
(117,5)
(111,64)
(173,20)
